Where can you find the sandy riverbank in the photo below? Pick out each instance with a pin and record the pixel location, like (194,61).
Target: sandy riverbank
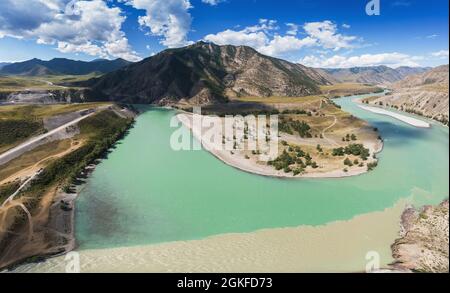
(336,247)
(239,161)
(407,119)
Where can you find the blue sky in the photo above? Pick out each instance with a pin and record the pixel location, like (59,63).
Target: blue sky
(321,33)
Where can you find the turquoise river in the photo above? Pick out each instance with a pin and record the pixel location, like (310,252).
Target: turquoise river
(146,193)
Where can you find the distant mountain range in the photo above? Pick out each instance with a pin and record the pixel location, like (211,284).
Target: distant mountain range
(206,73)
(3,64)
(373,75)
(58,66)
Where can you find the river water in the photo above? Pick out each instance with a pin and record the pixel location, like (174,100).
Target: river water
(146,193)
(143,204)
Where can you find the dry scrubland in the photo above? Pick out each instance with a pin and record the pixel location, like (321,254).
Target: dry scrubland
(317,138)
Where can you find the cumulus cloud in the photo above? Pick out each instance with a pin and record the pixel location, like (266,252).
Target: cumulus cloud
(285,44)
(212,2)
(169,19)
(389,59)
(254,36)
(326,34)
(265,37)
(293,29)
(90,27)
(443,54)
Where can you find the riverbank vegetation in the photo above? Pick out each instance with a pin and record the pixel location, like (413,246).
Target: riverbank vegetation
(58,172)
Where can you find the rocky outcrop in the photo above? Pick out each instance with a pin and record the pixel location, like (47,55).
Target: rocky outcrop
(424,242)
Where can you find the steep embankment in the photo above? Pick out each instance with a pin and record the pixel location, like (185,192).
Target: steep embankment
(425,94)
(423,246)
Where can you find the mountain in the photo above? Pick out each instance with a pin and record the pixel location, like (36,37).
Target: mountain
(373,74)
(205,73)
(37,67)
(435,77)
(406,71)
(3,64)
(425,94)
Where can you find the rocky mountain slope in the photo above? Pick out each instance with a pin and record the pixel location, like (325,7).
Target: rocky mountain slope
(423,246)
(37,67)
(425,94)
(373,74)
(206,73)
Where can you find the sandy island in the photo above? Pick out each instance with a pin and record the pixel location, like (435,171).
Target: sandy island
(409,120)
(239,161)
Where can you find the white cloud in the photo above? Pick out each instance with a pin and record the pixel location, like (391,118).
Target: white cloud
(265,38)
(231,37)
(443,54)
(169,19)
(433,36)
(325,33)
(293,29)
(284,44)
(212,2)
(389,59)
(90,27)
(347,26)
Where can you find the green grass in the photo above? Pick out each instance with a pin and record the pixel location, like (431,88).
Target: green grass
(14,131)
(13,83)
(345,89)
(20,112)
(7,189)
(20,122)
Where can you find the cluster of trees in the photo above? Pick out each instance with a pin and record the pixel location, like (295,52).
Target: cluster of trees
(349,137)
(350,163)
(297,112)
(7,189)
(319,148)
(104,130)
(352,149)
(290,126)
(372,166)
(237,112)
(294,160)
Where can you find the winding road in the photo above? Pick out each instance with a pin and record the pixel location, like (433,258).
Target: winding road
(21,147)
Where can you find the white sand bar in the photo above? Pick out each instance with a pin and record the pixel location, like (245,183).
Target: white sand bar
(409,120)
